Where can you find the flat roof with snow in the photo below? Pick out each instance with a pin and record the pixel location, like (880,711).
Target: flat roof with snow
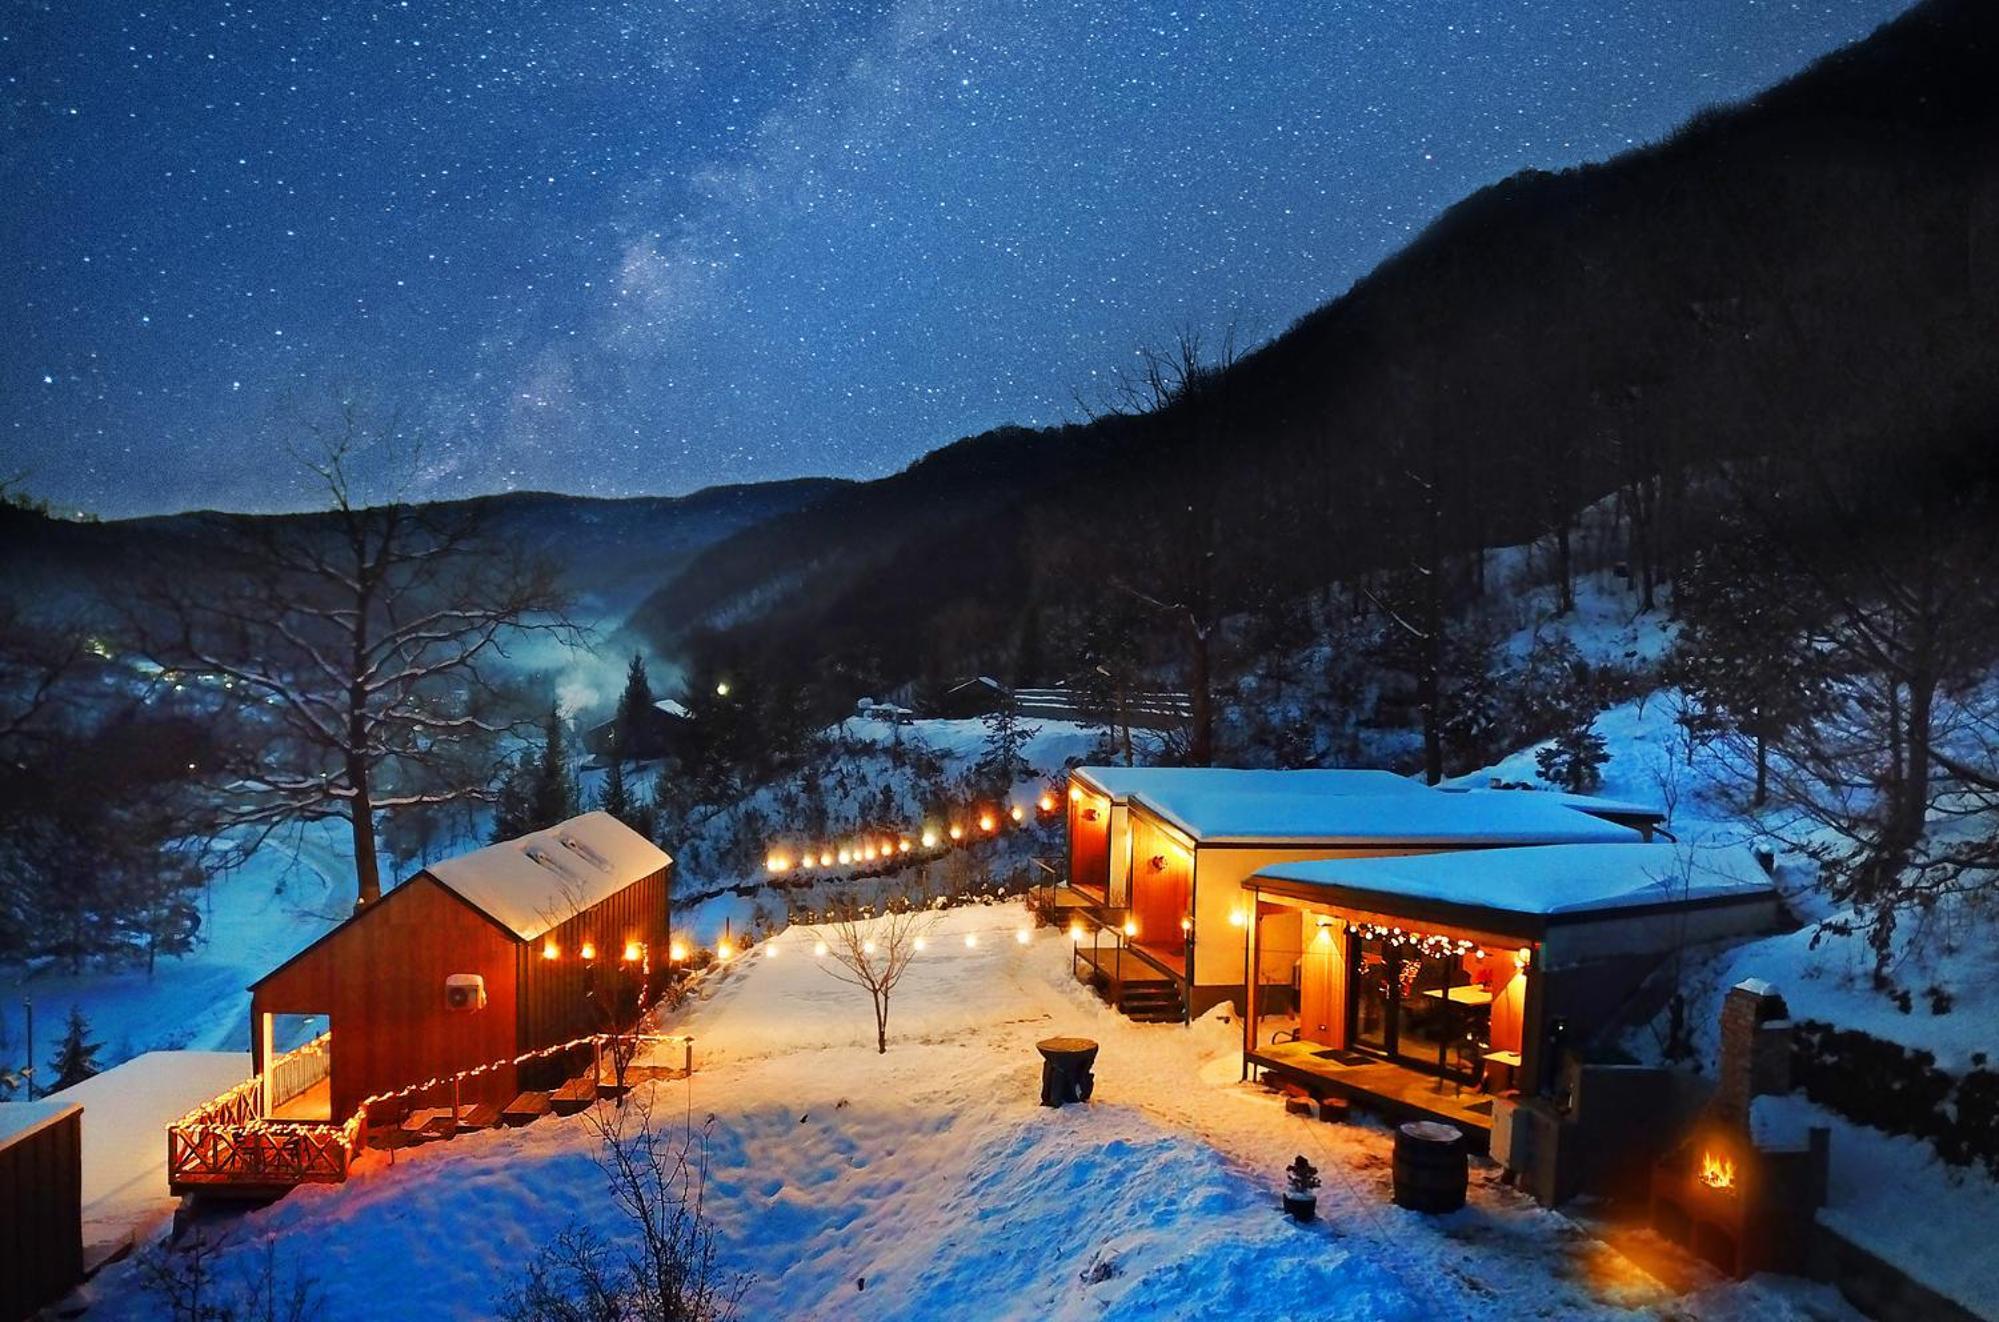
(544,878)
(1549,882)
(20,1119)
(1210,815)
(1121,783)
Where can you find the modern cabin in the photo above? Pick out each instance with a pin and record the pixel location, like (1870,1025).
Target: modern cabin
(1161,854)
(1438,981)
(479,958)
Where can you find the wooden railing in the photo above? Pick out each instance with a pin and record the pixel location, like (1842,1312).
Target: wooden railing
(296,1072)
(229,1143)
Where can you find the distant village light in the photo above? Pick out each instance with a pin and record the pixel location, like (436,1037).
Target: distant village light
(722,689)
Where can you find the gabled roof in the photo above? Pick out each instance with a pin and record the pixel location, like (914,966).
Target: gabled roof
(544,878)
(1543,881)
(1218,817)
(1122,782)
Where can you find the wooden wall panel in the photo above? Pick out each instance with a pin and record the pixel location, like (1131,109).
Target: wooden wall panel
(380,981)
(555,994)
(41,1216)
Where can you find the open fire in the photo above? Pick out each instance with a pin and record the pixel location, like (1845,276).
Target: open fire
(1717,1172)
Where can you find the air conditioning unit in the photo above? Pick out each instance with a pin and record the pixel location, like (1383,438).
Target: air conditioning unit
(465,992)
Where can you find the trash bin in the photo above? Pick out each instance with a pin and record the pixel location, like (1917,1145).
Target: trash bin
(1066,1069)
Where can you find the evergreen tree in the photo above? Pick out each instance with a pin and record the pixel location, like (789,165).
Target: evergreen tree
(76,1057)
(1574,759)
(513,810)
(634,708)
(616,797)
(553,792)
(1002,762)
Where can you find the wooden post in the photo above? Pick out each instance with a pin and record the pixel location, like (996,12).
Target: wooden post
(1250,960)
(454,1103)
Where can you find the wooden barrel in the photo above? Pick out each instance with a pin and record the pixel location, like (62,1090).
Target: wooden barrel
(1430,1167)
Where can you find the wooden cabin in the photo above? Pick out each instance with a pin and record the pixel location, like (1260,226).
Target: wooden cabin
(1438,981)
(41,1204)
(478,958)
(1162,853)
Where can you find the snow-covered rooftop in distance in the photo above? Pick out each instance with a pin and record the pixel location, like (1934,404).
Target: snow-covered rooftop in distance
(20,1119)
(1590,803)
(1544,879)
(126,1111)
(1212,815)
(673,707)
(1123,782)
(544,878)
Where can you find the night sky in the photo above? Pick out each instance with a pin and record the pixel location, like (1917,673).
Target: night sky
(620,249)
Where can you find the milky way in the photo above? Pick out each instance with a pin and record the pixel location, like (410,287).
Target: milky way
(617,249)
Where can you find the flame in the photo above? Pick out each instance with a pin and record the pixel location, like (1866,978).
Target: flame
(1717,1172)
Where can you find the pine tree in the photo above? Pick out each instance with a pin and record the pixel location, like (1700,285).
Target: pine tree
(634,707)
(513,810)
(1002,763)
(76,1057)
(1574,759)
(554,797)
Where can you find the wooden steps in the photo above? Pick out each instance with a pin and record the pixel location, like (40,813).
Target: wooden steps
(574,1096)
(1152,1002)
(524,1109)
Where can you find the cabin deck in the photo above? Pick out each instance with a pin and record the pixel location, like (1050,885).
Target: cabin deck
(1396,1091)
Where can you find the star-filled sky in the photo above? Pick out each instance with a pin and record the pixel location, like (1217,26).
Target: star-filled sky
(640,248)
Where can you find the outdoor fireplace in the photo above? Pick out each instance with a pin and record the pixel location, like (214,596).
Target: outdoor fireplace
(1743,1191)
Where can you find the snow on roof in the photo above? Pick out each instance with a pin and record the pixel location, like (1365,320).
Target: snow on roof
(20,1119)
(1123,782)
(1544,879)
(1589,803)
(538,881)
(1219,816)
(674,708)
(126,1111)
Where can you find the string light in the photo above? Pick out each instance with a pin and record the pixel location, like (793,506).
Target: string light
(918,944)
(957,831)
(929,839)
(631,952)
(1433,944)
(867,947)
(1046,802)
(1023,936)
(819,949)
(1016,812)
(588,950)
(725,950)
(1131,927)
(677,952)
(550,950)
(987,822)
(971,940)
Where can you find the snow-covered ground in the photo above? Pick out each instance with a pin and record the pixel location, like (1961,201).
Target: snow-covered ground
(929,1182)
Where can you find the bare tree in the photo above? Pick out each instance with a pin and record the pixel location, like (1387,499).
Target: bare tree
(666,1269)
(356,643)
(873,954)
(1176,572)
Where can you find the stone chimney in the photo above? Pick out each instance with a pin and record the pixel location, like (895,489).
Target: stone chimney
(1755,1049)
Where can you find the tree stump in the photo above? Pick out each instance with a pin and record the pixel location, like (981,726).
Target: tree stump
(1065,1069)
(1431,1169)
